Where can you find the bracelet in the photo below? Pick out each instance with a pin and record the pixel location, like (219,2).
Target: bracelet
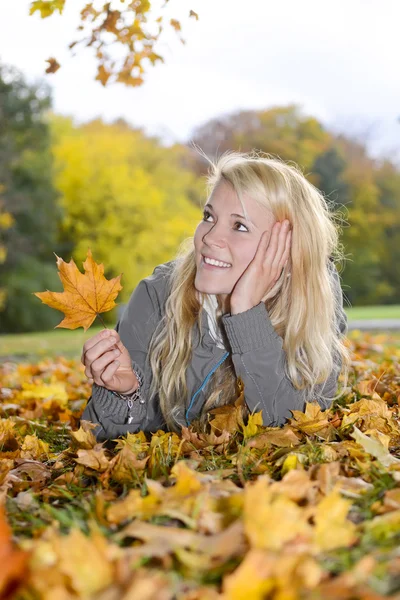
(133,396)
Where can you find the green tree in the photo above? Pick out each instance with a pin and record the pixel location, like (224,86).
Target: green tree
(29,197)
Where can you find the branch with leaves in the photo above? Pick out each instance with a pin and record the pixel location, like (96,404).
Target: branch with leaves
(130,28)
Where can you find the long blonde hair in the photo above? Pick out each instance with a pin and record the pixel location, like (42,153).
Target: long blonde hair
(303,307)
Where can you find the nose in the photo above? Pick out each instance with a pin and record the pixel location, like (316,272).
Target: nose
(214,237)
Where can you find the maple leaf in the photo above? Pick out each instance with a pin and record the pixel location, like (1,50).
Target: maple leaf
(85,295)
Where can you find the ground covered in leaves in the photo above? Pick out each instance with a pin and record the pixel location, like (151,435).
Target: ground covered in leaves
(310,510)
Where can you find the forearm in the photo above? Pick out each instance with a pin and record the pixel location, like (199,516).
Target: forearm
(259,359)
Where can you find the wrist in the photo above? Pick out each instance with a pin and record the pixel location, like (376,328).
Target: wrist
(239,308)
(131,390)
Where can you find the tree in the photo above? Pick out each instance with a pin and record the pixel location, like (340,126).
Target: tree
(282,131)
(124,195)
(29,202)
(115,24)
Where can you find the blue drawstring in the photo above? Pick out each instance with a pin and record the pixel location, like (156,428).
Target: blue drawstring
(204,384)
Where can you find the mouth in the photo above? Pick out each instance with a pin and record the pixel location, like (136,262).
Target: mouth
(211,264)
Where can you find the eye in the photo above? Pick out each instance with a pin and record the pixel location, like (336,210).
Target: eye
(206,214)
(241,225)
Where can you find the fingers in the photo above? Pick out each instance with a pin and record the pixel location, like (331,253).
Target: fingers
(105,334)
(98,367)
(278,250)
(109,372)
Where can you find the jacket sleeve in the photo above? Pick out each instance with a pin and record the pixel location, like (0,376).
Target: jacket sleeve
(135,327)
(259,359)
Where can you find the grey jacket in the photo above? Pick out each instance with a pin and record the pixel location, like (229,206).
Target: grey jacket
(257,355)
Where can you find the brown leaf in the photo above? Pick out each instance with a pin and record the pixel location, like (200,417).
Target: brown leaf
(85,295)
(175,24)
(126,466)
(53,65)
(103,75)
(284,438)
(94,458)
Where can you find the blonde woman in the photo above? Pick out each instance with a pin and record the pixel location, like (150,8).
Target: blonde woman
(255,294)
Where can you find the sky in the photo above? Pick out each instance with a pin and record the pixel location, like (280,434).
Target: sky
(340,61)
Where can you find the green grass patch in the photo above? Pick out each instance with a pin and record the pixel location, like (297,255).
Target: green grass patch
(373,312)
(69,343)
(27,346)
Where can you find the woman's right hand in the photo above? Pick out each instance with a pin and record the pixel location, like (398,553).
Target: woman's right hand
(108,363)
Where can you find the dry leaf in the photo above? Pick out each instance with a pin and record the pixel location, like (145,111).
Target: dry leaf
(85,295)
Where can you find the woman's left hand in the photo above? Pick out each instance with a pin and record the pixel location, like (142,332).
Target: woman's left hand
(264,270)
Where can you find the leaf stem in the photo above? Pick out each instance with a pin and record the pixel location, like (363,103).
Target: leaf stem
(102,322)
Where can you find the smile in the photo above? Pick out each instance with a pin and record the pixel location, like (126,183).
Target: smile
(214,264)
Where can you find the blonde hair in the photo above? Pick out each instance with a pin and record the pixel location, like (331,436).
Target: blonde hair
(303,307)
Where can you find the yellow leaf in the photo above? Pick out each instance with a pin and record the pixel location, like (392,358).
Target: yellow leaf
(289,463)
(332,528)
(84,437)
(34,448)
(272,519)
(45,391)
(85,295)
(253,423)
(374,447)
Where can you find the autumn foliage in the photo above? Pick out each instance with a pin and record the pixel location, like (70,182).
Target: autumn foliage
(309,510)
(129,27)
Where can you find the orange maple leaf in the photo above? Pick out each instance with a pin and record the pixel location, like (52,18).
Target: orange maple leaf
(85,295)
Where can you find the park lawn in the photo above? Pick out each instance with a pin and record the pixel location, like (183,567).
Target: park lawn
(31,346)
(373,312)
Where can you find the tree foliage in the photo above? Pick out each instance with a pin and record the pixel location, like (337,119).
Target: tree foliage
(29,213)
(127,27)
(124,195)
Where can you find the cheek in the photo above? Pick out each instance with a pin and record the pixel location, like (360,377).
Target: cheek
(245,253)
(197,238)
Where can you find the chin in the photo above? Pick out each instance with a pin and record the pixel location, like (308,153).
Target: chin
(210,288)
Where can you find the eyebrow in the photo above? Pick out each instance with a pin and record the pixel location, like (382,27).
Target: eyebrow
(208,205)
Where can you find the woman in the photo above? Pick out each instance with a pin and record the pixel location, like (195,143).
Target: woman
(255,294)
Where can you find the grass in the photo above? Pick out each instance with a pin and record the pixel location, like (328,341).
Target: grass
(28,346)
(373,312)
(31,346)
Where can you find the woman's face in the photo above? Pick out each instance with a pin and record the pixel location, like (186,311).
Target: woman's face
(225,235)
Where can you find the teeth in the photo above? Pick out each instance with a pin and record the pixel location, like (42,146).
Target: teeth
(216,263)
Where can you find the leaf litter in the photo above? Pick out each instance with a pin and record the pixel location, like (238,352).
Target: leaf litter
(238,510)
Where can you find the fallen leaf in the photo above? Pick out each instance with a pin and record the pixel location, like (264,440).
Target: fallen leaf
(14,563)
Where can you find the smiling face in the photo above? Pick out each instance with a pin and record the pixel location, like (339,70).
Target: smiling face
(226,235)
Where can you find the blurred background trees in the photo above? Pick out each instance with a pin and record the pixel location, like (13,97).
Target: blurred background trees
(132,200)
